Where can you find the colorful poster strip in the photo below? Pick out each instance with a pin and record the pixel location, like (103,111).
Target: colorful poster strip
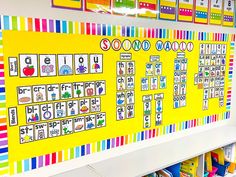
(216,7)
(70,4)
(167,9)
(185,10)
(201,11)
(124,7)
(147,8)
(216,12)
(228,13)
(99,6)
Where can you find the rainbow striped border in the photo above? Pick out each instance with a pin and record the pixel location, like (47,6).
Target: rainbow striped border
(69,27)
(230,75)
(79,151)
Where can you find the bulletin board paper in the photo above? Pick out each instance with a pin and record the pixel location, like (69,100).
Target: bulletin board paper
(142,100)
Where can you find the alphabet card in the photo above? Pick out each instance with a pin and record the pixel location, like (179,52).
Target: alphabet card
(100,120)
(96,63)
(129,111)
(100,88)
(78,89)
(54,128)
(28,65)
(66,91)
(162,82)
(60,109)
(32,113)
(158,120)
(39,93)
(24,95)
(120,83)
(130,97)
(158,68)
(41,131)
(95,104)
(47,111)
(72,108)
(84,106)
(153,83)
(81,64)
(145,85)
(121,68)
(26,134)
(47,65)
(66,126)
(130,82)
(89,88)
(53,92)
(79,124)
(120,113)
(65,65)
(130,67)
(90,122)
(146,121)
(149,69)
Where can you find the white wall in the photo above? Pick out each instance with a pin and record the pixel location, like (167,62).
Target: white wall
(42,9)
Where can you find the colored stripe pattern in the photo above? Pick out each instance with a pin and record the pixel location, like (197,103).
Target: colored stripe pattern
(230,74)
(69,27)
(4,164)
(79,151)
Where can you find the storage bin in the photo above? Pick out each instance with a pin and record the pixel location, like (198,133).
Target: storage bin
(174,169)
(231,168)
(206,174)
(213,172)
(222,169)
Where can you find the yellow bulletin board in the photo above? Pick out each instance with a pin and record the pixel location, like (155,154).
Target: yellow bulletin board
(64,94)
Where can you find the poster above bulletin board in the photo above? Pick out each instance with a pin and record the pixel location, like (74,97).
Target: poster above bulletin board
(167,9)
(147,8)
(133,84)
(215,12)
(201,11)
(98,6)
(78,5)
(228,13)
(185,10)
(216,9)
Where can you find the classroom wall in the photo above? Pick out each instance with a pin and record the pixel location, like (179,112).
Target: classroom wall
(42,8)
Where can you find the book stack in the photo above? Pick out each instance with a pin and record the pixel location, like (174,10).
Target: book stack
(189,168)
